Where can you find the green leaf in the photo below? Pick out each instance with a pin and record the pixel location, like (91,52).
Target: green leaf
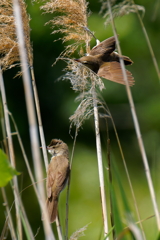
(116,213)
(122,192)
(6,171)
(133,228)
(109,233)
(158,238)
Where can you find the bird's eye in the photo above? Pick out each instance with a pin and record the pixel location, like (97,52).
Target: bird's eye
(58,143)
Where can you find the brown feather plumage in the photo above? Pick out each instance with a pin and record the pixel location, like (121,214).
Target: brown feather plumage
(106,63)
(57,175)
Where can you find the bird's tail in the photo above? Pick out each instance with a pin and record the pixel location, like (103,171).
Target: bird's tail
(52,206)
(127,60)
(115,57)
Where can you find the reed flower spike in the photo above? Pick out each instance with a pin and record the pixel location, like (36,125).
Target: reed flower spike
(9,53)
(71,21)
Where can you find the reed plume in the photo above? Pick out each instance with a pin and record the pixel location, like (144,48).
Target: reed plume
(9,49)
(71,21)
(9,57)
(9,53)
(15,49)
(119,9)
(82,81)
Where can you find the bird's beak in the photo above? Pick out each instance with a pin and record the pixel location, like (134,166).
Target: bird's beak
(46,147)
(77,60)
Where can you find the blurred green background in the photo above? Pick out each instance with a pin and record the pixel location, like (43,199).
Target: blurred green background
(57,105)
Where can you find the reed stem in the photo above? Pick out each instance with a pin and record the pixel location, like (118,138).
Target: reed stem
(11,153)
(31,114)
(137,128)
(41,132)
(8,217)
(148,42)
(100,163)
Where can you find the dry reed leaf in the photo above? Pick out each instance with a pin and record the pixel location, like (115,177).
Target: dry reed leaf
(9,52)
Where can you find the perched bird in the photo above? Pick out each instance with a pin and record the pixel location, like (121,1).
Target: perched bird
(106,63)
(57,175)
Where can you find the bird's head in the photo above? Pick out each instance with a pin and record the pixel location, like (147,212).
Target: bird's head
(91,62)
(57,147)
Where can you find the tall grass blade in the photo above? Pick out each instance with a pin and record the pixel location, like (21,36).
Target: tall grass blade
(8,220)
(41,132)
(148,42)
(11,152)
(134,230)
(128,177)
(109,232)
(137,129)
(158,238)
(116,214)
(31,113)
(132,227)
(24,219)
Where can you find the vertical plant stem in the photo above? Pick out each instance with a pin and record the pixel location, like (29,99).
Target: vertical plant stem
(8,214)
(148,41)
(29,97)
(41,203)
(23,152)
(110,180)
(31,113)
(41,132)
(25,221)
(137,128)
(67,208)
(128,177)
(59,231)
(9,217)
(68,185)
(100,163)
(11,153)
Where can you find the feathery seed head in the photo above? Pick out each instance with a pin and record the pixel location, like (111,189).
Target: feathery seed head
(9,53)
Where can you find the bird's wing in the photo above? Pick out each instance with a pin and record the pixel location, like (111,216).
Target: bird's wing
(50,180)
(105,47)
(113,72)
(58,173)
(62,173)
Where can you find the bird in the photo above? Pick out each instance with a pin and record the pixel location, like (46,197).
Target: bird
(57,175)
(105,62)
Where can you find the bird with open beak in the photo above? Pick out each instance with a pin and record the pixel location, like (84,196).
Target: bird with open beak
(106,63)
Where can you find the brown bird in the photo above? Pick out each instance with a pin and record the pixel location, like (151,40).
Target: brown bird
(106,63)
(57,175)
